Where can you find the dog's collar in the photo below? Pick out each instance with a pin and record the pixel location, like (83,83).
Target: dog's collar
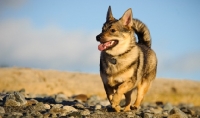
(112,60)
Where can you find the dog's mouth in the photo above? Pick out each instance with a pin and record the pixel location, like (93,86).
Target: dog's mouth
(107,45)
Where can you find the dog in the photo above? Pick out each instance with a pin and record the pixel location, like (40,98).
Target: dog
(126,64)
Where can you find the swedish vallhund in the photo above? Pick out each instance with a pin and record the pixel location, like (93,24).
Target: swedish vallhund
(126,64)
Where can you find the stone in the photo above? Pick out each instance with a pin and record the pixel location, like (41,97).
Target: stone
(11,102)
(79,106)
(56,105)
(147,115)
(20,98)
(136,116)
(14,99)
(99,112)
(177,112)
(59,98)
(130,114)
(168,107)
(81,97)
(2,110)
(57,111)
(85,112)
(47,106)
(69,109)
(188,111)
(157,110)
(16,114)
(97,107)
(39,106)
(32,102)
(93,100)
(104,102)
(165,113)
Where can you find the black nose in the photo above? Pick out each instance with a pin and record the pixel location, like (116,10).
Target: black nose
(98,37)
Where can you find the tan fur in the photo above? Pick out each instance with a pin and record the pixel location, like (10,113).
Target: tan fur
(126,65)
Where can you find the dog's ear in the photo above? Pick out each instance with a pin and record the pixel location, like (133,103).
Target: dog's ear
(109,16)
(127,18)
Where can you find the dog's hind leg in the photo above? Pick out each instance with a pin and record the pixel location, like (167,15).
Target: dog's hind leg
(128,100)
(142,89)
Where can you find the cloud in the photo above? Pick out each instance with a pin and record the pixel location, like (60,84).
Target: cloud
(22,44)
(51,47)
(189,62)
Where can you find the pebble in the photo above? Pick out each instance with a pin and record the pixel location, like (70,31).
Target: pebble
(2,110)
(14,99)
(97,107)
(79,106)
(168,107)
(14,104)
(177,112)
(47,106)
(59,98)
(85,112)
(69,109)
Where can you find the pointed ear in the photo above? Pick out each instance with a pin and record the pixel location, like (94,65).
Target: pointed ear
(109,16)
(127,18)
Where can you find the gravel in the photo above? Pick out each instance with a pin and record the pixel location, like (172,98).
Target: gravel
(15,104)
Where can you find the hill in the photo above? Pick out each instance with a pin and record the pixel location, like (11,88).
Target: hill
(50,82)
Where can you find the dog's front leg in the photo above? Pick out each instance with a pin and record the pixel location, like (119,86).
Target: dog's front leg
(109,92)
(121,90)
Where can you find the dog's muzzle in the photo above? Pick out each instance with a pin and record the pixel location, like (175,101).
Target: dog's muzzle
(98,37)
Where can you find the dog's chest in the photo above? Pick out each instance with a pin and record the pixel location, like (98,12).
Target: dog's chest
(116,71)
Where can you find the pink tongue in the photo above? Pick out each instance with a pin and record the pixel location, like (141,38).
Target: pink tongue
(103,46)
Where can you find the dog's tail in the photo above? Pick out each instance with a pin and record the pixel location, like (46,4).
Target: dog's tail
(142,32)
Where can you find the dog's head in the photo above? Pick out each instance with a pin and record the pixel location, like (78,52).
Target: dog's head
(116,34)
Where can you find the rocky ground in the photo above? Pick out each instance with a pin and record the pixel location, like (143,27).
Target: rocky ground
(26,92)
(21,105)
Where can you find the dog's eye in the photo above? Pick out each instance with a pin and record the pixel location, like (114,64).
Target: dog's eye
(112,30)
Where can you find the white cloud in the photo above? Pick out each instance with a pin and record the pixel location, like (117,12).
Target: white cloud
(22,44)
(51,47)
(189,62)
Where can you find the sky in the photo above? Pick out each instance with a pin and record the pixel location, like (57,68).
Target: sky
(61,34)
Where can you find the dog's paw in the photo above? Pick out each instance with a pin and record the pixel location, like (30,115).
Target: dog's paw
(127,109)
(134,107)
(117,108)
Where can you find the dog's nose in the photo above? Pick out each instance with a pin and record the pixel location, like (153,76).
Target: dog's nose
(98,37)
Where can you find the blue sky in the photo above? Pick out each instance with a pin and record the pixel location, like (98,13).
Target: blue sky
(60,35)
